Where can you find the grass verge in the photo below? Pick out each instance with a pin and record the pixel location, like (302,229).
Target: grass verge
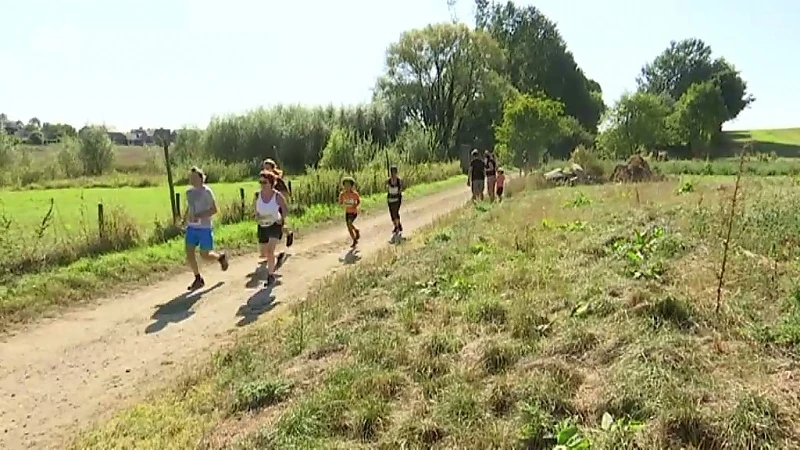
(30,295)
(540,322)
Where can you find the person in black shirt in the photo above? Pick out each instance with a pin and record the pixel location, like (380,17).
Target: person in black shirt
(491,173)
(477,175)
(394,197)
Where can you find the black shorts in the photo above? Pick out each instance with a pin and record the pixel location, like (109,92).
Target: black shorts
(274,231)
(499,191)
(394,210)
(350,217)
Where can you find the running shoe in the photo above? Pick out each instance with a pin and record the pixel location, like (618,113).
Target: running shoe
(197,284)
(223,261)
(270,280)
(290,238)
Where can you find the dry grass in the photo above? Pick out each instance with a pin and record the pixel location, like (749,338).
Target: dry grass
(583,317)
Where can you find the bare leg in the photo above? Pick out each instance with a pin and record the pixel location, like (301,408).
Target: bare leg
(209,255)
(269,249)
(191,259)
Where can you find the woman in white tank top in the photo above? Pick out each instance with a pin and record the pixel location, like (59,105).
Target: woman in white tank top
(267,207)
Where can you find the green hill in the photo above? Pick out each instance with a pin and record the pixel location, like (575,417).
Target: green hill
(784,142)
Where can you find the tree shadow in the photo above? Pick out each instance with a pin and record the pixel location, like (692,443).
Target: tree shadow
(261,302)
(351,257)
(733,141)
(177,310)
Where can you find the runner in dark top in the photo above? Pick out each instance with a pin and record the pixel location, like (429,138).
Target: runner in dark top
(477,175)
(394,197)
(491,173)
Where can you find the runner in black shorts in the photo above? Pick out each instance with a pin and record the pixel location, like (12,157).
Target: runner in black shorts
(350,199)
(268,206)
(394,197)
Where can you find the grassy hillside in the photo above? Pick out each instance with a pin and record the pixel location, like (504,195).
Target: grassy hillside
(577,316)
(784,142)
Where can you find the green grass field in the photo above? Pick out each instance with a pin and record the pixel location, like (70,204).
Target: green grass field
(783,142)
(75,210)
(583,317)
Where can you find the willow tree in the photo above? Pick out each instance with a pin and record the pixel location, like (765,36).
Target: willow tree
(436,74)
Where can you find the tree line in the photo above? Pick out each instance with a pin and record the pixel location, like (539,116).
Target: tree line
(508,82)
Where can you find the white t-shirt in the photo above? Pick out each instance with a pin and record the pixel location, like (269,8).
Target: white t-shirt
(269,212)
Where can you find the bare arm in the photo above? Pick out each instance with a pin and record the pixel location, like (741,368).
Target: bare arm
(208,213)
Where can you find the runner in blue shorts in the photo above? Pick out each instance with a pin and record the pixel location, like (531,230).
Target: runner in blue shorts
(201,206)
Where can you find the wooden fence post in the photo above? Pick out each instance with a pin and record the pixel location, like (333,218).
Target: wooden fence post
(177,204)
(168,164)
(241,197)
(101,221)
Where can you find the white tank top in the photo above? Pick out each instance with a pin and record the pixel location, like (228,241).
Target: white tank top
(268,212)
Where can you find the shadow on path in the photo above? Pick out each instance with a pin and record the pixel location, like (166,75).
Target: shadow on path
(177,310)
(258,277)
(351,257)
(261,302)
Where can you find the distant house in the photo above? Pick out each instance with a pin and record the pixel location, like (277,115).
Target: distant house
(118,138)
(161,135)
(139,137)
(13,128)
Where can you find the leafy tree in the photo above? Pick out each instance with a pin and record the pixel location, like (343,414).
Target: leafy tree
(530,124)
(637,120)
(96,150)
(188,145)
(57,131)
(435,74)
(538,59)
(7,147)
(339,153)
(689,62)
(35,138)
(69,158)
(698,114)
(415,143)
(33,124)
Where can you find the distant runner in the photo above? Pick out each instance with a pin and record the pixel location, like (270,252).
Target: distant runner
(280,186)
(477,175)
(267,206)
(350,199)
(491,177)
(394,197)
(501,182)
(200,207)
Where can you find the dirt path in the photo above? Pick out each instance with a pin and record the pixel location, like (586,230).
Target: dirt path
(69,371)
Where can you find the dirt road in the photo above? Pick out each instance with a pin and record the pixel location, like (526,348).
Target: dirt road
(69,371)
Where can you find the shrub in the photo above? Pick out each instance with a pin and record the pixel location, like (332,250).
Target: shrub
(96,151)
(588,159)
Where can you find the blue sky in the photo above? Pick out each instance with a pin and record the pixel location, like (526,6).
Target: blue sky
(178,62)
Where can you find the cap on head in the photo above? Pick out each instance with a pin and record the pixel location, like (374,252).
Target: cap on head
(199,171)
(392,168)
(269,161)
(475,152)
